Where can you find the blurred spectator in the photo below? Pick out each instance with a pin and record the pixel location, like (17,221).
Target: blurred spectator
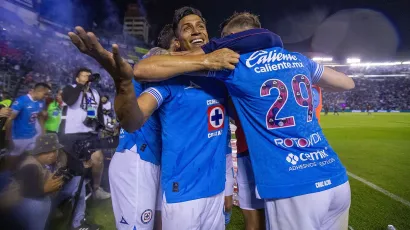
(54,108)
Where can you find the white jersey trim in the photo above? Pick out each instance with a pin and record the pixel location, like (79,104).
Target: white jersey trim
(156,94)
(318,73)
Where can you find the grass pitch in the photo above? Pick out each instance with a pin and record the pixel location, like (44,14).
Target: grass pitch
(375,148)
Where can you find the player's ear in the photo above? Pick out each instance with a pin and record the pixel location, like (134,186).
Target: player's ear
(176,45)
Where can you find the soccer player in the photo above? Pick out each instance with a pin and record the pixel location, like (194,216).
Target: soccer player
(326,109)
(307,179)
(297,173)
(193,118)
(335,109)
(138,158)
(27,111)
(368,109)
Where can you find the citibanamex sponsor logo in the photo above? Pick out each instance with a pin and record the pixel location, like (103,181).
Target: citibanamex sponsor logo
(293,159)
(313,156)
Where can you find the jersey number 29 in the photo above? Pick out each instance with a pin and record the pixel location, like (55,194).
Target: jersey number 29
(272,120)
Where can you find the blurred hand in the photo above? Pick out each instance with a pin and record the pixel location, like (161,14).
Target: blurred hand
(88,164)
(5,112)
(53,184)
(113,63)
(222,59)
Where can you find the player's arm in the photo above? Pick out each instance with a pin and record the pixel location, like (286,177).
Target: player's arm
(9,125)
(132,112)
(42,117)
(17,106)
(335,81)
(242,42)
(329,79)
(70,94)
(128,112)
(162,67)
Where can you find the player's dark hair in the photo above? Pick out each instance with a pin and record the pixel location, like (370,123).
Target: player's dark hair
(80,70)
(183,12)
(243,20)
(42,85)
(165,37)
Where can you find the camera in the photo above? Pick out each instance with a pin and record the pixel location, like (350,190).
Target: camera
(84,148)
(66,173)
(95,77)
(93,123)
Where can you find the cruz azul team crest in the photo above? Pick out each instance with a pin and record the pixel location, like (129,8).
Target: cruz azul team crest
(216,118)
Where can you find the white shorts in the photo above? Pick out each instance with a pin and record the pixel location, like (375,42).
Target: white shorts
(158,206)
(246,185)
(229,176)
(326,210)
(200,214)
(134,186)
(22,145)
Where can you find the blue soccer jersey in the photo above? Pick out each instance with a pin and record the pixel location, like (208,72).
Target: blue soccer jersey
(147,138)
(272,93)
(24,125)
(192,111)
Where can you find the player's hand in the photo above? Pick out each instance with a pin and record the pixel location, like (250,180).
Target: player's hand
(5,112)
(221,59)
(113,63)
(88,164)
(53,184)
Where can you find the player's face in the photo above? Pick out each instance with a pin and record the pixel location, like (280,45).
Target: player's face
(82,78)
(104,99)
(59,96)
(192,32)
(41,93)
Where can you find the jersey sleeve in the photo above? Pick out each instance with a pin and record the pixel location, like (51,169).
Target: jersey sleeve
(245,42)
(160,91)
(137,87)
(316,70)
(17,105)
(221,75)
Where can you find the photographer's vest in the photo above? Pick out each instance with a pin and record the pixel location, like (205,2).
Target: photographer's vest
(73,116)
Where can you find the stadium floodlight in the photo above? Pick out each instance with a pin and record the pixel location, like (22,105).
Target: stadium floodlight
(376,64)
(322,59)
(406,63)
(353,60)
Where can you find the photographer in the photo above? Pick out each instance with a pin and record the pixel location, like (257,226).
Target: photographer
(81,120)
(42,190)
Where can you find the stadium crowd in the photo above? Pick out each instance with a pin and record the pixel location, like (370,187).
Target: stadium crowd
(20,43)
(380,93)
